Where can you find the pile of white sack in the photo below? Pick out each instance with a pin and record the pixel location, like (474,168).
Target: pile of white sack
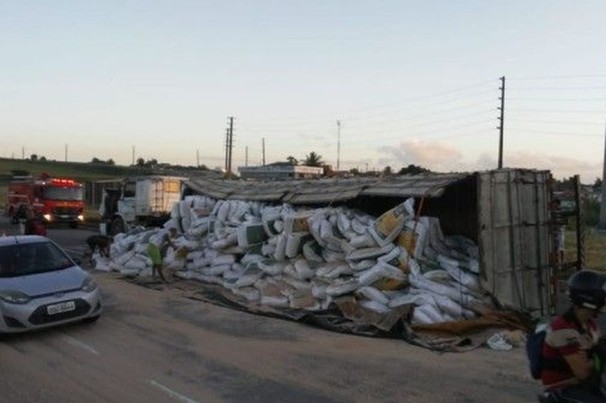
(303,258)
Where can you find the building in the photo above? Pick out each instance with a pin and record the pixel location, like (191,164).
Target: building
(280,170)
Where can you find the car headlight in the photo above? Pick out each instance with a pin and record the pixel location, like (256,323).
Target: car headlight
(89,285)
(14,297)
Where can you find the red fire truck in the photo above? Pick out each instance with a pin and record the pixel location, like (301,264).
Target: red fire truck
(58,200)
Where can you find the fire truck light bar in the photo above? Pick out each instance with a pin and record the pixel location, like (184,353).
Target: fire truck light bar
(56,181)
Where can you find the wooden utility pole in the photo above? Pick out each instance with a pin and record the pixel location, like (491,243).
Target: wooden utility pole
(501,121)
(231,143)
(263,147)
(602,222)
(338,145)
(226,148)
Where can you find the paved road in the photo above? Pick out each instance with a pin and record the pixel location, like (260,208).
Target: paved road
(155,343)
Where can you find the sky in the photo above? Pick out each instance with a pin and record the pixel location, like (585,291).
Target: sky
(364,84)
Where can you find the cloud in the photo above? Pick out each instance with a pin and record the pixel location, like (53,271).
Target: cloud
(445,157)
(561,167)
(437,156)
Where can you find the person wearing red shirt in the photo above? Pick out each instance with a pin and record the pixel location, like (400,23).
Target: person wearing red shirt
(570,351)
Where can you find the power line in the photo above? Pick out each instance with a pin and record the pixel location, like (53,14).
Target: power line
(554,133)
(412,100)
(558,122)
(559,77)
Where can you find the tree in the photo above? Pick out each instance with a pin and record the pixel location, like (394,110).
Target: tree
(413,170)
(33,157)
(111,162)
(292,160)
(354,171)
(313,160)
(387,171)
(597,185)
(43,158)
(140,162)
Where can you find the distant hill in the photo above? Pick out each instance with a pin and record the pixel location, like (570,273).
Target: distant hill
(88,171)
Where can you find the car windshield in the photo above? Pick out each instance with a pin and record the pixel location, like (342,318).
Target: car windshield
(31,258)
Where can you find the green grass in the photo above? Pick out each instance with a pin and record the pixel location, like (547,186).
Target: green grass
(595,248)
(81,171)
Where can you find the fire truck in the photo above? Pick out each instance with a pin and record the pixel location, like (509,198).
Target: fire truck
(58,200)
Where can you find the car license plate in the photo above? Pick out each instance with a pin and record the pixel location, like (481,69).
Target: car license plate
(61,307)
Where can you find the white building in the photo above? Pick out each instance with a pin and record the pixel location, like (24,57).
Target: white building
(280,171)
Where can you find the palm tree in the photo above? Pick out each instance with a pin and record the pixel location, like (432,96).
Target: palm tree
(313,160)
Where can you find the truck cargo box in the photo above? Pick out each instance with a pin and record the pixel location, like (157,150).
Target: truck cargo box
(505,212)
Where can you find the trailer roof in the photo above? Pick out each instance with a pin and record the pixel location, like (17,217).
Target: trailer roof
(326,190)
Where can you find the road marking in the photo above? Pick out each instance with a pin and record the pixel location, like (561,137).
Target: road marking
(171,392)
(81,344)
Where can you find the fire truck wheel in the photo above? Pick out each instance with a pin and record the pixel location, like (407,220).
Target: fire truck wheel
(117,226)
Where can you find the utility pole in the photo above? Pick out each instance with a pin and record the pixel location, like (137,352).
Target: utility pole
(246,156)
(226,148)
(338,145)
(231,141)
(66,153)
(501,121)
(133,156)
(229,144)
(22,153)
(602,222)
(263,147)
(197,158)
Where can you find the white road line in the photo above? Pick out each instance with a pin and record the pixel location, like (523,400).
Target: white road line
(81,344)
(171,392)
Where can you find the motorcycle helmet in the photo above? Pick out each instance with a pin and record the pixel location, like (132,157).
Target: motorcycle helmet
(586,288)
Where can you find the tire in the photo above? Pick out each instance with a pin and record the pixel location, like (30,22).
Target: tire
(73,224)
(117,226)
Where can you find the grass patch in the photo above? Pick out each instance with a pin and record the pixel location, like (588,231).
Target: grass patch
(595,248)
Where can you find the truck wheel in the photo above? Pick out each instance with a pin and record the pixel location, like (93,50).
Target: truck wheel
(117,226)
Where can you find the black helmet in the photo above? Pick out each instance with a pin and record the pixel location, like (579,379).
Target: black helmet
(586,289)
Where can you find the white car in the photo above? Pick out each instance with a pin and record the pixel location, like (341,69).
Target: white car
(41,286)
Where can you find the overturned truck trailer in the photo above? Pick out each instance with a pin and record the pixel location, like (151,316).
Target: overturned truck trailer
(505,212)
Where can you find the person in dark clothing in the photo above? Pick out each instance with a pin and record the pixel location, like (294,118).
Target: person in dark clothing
(571,350)
(23,213)
(35,225)
(558,225)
